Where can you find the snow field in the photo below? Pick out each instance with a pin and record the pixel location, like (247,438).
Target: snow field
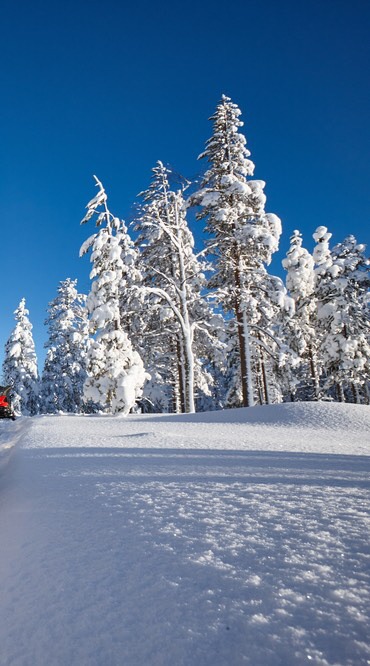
(226,538)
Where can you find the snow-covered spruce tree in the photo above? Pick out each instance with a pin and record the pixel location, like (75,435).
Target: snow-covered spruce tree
(64,371)
(233,396)
(342,291)
(243,235)
(274,359)
(354,288)
(179,331)
(130,302)
(300,330)
(116,372)
(159,345)
(20,364)
(211,345)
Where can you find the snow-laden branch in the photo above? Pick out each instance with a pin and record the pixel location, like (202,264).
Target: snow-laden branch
(161,292)
(260,343)
(263,330)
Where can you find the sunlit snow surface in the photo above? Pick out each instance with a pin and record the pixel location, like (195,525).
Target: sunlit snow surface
(229,538)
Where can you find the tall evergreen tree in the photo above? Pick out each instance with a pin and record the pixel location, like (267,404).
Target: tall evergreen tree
(243,235)
(116,373)
(301,329)
(20,364)
(342,289)
(273,356)
(173,278)
(64,371)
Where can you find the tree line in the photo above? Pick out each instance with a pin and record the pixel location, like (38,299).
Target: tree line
(165,328)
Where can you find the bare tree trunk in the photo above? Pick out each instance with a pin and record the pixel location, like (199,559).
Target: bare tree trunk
(355,393)
(176,379)
(187,331)
(259,383)
(259,386)
(265,379)
(245,358)
(189,378)
(340,392)
(314,372)
(243,369)
(180,376)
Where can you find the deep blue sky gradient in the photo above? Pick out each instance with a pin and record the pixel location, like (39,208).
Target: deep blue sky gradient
(110,88)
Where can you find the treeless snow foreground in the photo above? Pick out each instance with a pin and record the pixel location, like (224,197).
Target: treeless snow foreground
(226,538)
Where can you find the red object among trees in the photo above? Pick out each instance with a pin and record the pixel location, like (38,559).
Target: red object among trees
(4,401)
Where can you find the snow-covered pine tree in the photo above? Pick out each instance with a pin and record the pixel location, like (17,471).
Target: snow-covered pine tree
(243,235)
(273,357)
(300,331)
(20,364)
(159,344)
(342,291)
(64,371)
(232,396)
(179,332)
(210,345)
(116,372)
(130,303)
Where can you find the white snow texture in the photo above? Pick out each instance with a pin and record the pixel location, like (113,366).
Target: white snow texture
(223,538)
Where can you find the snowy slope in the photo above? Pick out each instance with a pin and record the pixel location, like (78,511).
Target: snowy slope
(238,537)
(300,427)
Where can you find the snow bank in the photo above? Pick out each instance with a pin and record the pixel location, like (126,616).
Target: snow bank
(295,427)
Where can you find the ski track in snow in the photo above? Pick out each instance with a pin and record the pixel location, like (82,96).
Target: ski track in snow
(10,434)
(187,540)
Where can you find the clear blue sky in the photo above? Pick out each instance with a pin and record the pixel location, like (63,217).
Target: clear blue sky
(111,87)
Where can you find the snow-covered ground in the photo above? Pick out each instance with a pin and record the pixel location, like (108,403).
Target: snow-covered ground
(237,537)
